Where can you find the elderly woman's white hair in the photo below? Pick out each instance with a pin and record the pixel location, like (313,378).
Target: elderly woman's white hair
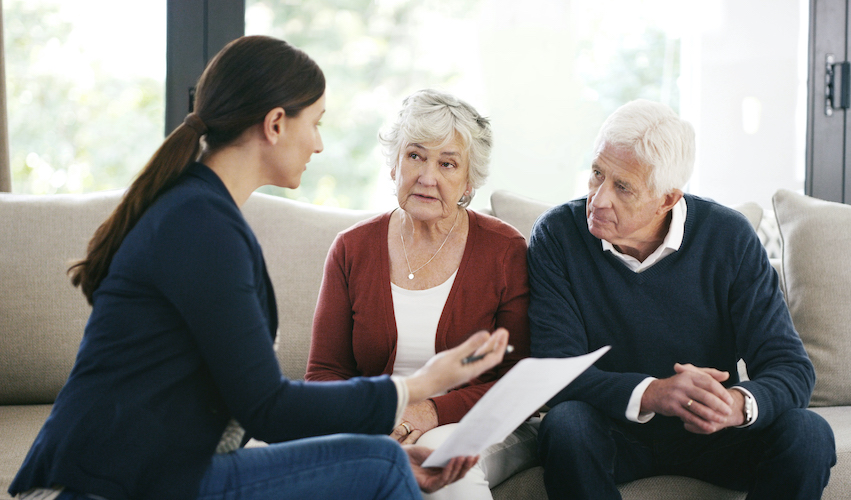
(432,115)
(657,137)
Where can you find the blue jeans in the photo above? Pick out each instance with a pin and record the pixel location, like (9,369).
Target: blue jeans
(333,467)
(586,454)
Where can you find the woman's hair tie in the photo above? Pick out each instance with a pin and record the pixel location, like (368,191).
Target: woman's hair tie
(195,123)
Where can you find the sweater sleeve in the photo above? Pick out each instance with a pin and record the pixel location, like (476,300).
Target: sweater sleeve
(556,321)
(511,314)
(781,374)
(207,267)
(331,350)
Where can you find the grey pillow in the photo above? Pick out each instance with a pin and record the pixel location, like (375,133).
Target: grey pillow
(519,211)
(752,211)
(816,238)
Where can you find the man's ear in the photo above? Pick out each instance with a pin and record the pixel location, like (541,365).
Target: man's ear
(670,199)
(273,125)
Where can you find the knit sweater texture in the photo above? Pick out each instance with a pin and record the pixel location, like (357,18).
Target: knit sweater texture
(715,300)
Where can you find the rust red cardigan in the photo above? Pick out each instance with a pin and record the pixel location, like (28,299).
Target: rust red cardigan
(354,327)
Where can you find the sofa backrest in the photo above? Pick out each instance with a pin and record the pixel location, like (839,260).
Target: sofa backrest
(41,315)
(295,238)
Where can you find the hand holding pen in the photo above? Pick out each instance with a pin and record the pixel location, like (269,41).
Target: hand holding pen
(447,369)
(475,357)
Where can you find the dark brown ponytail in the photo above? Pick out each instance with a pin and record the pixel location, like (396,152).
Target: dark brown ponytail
(242,83)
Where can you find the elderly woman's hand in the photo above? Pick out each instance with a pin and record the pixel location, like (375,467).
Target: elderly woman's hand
(447,370)
(433,478)
(417,419)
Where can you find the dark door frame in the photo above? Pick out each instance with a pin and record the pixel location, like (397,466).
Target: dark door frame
(196,31)
(828,134)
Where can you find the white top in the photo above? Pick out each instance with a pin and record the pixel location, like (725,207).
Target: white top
(417,314)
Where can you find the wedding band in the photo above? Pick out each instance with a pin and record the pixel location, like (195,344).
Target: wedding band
(690,401)
(407,427)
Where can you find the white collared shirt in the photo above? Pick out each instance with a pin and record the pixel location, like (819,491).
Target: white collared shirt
(671,243)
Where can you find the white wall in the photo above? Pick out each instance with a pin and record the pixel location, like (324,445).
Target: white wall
(526,66)
(748,100)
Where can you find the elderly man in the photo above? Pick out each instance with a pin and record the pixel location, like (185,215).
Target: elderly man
(681,288)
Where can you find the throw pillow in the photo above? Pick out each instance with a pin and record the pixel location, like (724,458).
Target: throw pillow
(816,238)
(519,211)
(752,211)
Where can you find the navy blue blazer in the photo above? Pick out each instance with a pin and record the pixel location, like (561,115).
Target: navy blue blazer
(179,341)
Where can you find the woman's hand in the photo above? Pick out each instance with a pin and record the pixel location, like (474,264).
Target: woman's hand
(446,370)
(433,478)
(417,419)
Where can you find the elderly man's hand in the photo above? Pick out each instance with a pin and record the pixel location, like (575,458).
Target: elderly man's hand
(694,395)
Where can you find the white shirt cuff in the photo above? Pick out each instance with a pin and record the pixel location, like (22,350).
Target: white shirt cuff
(755,406)
(402,398)
(633,408)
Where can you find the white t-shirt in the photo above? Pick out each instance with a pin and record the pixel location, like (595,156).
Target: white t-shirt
(417,315)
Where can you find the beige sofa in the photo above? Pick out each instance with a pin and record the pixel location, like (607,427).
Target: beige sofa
(42,316)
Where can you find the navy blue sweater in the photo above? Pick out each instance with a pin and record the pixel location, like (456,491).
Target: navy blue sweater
(712,302)
(179,341)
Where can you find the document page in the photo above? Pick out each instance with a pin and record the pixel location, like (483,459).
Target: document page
(514,398)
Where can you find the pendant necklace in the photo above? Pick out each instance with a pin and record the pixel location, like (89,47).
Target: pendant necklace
(411,273)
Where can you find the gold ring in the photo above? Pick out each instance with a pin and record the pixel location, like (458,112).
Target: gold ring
(690,401)
(407,427)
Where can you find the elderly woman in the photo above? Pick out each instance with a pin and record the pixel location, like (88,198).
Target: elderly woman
(420,279)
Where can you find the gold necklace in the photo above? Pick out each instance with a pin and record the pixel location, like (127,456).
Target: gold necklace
(411,273)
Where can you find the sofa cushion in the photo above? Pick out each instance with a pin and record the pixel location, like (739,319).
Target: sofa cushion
(519,211)
(817,279)
(839,418)
(41,315)
(752,211)
(295,238)
(19,426)
(529,485)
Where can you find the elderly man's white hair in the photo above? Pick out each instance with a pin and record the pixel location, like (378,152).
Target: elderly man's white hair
(657,137)
(433,115)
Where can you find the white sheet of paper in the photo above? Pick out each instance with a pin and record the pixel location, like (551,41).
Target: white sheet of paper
(514,398)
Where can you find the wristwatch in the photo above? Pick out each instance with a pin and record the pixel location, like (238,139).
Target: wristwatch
(747,409)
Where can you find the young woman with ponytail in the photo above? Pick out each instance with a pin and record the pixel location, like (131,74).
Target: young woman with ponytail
(176,367)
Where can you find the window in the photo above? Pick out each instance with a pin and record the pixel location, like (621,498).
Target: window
(85,93)
(85,90)
(548,72)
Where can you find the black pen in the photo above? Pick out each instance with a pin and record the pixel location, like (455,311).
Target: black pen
(473,358)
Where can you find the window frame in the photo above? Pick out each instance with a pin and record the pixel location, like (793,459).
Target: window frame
(196,30)
(828,153)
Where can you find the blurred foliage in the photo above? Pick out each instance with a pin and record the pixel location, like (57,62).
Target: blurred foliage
(89,129)
(644,67)
(71,131)
(370,53)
